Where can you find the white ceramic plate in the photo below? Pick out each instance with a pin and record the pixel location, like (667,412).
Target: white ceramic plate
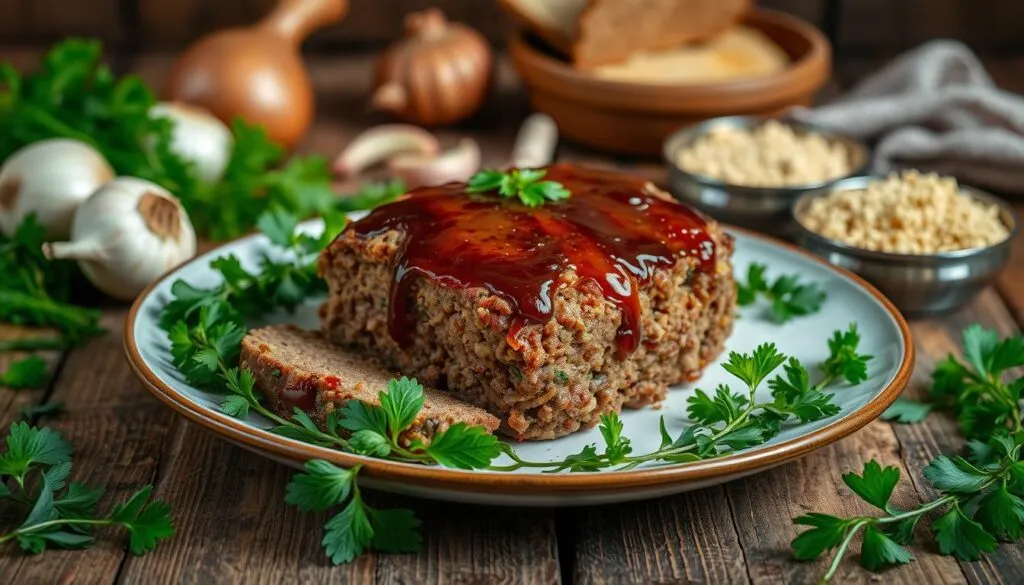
(884,335)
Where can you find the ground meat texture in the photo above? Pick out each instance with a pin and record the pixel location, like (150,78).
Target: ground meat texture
(564,373)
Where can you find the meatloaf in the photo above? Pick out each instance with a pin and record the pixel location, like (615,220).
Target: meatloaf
(296,368)
(635,293)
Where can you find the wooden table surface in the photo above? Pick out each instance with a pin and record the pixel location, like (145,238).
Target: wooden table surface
(234,527)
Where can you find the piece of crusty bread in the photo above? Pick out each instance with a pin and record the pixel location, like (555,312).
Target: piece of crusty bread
(597,32)
(738,53)
(296,367)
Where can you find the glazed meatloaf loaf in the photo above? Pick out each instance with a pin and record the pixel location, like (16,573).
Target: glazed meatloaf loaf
(545,316)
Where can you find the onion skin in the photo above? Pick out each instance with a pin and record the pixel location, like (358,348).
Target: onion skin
(380,143)
(50,178)
(257,72)
(455,165)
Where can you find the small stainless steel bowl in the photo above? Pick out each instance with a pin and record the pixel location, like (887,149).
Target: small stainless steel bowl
(766,209)
(919,284)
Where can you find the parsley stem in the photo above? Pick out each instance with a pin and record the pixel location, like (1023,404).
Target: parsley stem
(43,526)
(841,550)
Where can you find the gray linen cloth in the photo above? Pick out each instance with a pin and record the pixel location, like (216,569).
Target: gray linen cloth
(935,108)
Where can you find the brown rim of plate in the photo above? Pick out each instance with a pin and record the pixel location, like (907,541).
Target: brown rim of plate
(801,77)
(531,483)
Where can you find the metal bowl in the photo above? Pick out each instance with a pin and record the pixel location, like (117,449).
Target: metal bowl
(919,284)
(766,209)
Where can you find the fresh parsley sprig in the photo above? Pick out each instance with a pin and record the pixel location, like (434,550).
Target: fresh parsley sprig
(725,421)
(980,498)
(524,184)
(979,502)
(976,389)
(788,296)
(34,473)
(358,526)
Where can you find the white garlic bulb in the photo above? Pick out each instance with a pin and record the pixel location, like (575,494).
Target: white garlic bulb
(126,235)
(198,137)
(49,178)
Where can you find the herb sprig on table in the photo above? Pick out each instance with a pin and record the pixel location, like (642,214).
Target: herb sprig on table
(788,297)
(980,497)
(524,184)
(34,474)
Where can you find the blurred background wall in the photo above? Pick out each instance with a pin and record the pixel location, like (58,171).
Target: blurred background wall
(862,27)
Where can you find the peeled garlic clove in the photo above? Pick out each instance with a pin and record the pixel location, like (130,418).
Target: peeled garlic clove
(381,143)
(198,137)
(457,164)
(126,235)
(50,178)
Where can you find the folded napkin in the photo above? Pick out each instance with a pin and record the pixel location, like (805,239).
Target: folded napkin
(935,109)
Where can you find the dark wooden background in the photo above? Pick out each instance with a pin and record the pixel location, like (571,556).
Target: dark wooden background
(858,26)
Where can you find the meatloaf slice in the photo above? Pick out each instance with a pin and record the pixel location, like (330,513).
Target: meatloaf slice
(542,379)
(295,367)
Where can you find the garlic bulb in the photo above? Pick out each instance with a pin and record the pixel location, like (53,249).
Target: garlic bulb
(50,178)
(198,137)
(126,235)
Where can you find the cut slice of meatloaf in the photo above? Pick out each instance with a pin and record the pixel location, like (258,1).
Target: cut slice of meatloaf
(295,367)
(542,379)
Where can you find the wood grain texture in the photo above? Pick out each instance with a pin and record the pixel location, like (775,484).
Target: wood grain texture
(688,538)
(238,529)
(118,432)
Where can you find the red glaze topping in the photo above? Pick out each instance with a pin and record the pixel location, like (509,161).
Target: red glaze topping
(611,231)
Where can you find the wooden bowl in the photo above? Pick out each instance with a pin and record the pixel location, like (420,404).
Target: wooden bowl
(635,118)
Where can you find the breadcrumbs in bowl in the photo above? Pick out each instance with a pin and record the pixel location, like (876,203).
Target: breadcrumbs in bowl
(908,213)
(772,154)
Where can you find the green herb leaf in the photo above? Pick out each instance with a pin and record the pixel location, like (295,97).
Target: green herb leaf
(907,411)
(827,532)
(52,408)
(348,533)
(370,443)
(788,297)
(321,487)
(147,522)
(524,184)
(879,551)
(843,360)
(395,530)
(755,367)
(955,475)
(357,416)
(465,447)
(30,372)
(1002,514)
(962,537)
(875,484)
(401,404)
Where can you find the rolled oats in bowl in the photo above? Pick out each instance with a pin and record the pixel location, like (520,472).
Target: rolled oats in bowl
(908,213)
(771,154)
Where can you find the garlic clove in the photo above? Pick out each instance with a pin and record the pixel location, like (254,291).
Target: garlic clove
(126,235)
(456,164)
(198,137)
(382,142)
(49,178)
